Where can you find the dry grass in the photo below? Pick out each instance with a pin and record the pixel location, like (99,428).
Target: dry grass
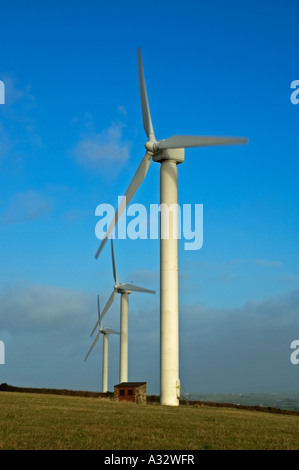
(51,422)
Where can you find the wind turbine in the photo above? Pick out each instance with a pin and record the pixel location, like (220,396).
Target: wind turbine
(124,290)
(169,153)
(105,332)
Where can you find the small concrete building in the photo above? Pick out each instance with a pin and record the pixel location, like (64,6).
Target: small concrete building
(130,391)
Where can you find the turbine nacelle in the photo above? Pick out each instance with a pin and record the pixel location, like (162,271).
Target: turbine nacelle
(108,331)
(175,154)
(102,330)
(129,288)
(154,150)
(119,288)
(122,289)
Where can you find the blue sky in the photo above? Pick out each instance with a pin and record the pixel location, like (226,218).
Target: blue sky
(71,138)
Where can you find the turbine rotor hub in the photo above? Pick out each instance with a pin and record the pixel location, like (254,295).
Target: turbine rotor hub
(151,146)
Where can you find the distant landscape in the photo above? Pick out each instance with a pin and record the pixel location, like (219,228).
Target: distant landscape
(272,401)
(283,401)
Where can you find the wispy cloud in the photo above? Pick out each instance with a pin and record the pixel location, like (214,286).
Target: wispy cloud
(143,277)
(14,93)
(76,214)
(288,278)
(122,110)
(29,308)
(104,151)
(5,142)
(25,207)
(232,349)
(18,125)
(245,348)
(46,331)
(258,262)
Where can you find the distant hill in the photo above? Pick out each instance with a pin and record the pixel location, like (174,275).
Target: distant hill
(282,401)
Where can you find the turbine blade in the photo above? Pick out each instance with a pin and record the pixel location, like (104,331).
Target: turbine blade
(113,263)
(134,288)
(134,185)
(146,117)
(93,344)
(107,306)
(99,310)
(185,141)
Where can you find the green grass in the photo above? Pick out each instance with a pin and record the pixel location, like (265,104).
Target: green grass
(53,422)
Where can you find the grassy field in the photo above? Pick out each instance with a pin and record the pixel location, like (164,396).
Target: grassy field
(52,422)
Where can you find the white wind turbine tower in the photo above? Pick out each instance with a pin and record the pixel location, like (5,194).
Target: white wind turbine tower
(169,153)
(124,290)
(105,332)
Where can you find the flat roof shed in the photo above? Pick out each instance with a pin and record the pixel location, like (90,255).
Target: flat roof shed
(130,391)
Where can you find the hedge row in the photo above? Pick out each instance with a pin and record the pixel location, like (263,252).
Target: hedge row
(4,387)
